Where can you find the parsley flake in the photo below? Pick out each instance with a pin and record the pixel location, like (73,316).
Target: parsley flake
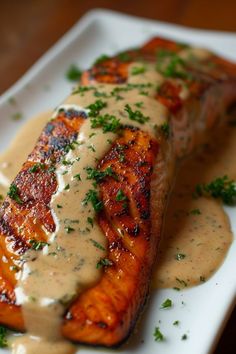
(13,193)
(136,115)
(158,336)
(73,73)
(166,304)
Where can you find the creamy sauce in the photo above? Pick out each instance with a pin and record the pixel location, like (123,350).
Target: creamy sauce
(197,233)
(69,261)
(13,158)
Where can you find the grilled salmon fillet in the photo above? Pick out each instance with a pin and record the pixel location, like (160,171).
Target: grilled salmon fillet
(196,91)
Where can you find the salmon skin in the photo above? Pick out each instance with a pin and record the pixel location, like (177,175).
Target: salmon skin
(106,313)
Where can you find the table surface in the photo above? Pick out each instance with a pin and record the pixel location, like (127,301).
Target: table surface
(29,27)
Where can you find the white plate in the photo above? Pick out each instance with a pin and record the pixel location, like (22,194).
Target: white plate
(203,310)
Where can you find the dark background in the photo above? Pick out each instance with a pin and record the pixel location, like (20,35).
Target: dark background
(29,27)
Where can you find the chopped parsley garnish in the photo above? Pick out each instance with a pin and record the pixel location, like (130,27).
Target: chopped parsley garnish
(3,335)
(176,323)
(77,176)
(107,122)
(124,57)
(97,175)
(136,70)
(90,220)
(120,196)
(38,166)
(136,115)
(139,104)
(73,73)
(67,162)
(37,245)
(13,193)
(101,59)
(92,148)
(169,64)
(176,288)
(181,282)
(104,262)
(195,211)
(158,336)
(165,129)
(67,187)
(93,198)
(59,206)
(69,229)
(129,87)
(166,304)
(82,89)
(96,107)
(98,245)
(222,188)
(180,256)
(70,146)
(184,337)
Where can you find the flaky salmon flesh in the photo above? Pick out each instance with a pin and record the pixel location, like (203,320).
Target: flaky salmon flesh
(105,313)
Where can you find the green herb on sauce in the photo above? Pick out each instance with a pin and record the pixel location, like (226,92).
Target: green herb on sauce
(90,220)
(97,245)
(104,262)
(93,198)
(80,90)
(136,115)
(77,176)
(184,337)
(69,229)
(165,129)
(13,193)
(37,245)
(181,282)
(195,212)
(169,64)
(139,104)
(92,148)
(96,107)
(73,73)
(158,336)
(67,187)
(98,176)
(180,256)
(107,122)
(59,206)
(222,188)
(3,337)
(166,304)
(137,70)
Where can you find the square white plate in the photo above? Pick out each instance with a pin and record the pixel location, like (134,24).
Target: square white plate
(203,310)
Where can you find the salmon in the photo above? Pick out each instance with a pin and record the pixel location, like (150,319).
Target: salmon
(106,313)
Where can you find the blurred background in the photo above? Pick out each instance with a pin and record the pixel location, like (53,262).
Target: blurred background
(29,27)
